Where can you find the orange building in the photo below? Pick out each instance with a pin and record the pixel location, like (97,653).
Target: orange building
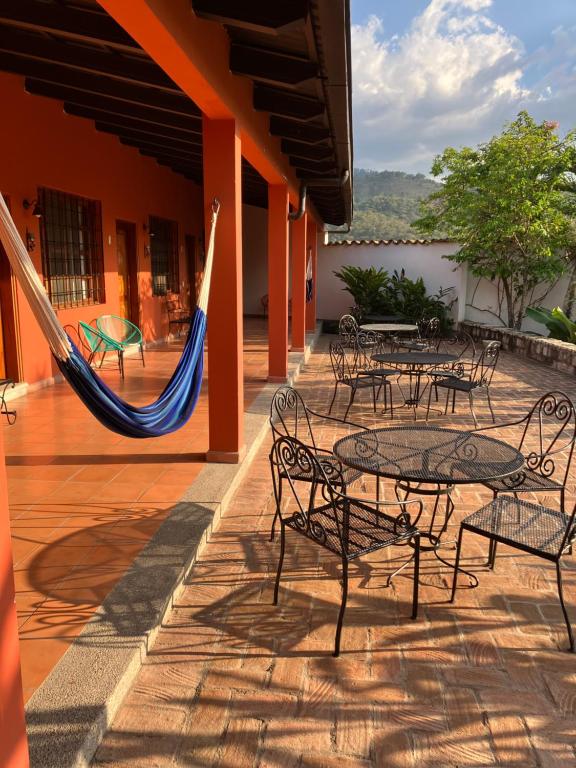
(120,122)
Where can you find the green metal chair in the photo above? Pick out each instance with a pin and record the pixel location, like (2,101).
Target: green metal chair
(121,331)
(99,344)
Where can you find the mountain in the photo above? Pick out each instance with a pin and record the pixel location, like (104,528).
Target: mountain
(385,202)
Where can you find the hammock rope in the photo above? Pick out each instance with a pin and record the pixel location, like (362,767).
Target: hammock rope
(175,404)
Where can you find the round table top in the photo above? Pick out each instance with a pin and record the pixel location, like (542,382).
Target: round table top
(389,327)
(415,358)
(429,454)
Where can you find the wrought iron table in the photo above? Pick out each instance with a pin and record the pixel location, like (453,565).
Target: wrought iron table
(429,461)
(414,365)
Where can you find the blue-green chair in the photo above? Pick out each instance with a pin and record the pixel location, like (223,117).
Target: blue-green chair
(99,344)
(120,331)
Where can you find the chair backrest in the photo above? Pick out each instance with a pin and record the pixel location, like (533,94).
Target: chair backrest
(347,329)
(460,343)
(119,330)
(485,365)
(96,340)
(289,416)
(344,361)
(429,328)
(547,440)
(368,343)
(290,459)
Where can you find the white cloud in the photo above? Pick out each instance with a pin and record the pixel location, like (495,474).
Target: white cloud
(453,79)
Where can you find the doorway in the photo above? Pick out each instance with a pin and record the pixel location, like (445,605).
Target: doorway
(129,305)
(9,355)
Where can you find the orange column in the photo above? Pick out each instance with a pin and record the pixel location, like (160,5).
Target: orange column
(278,255)
(223,180)
(313,255)
(299,255)
(13,746)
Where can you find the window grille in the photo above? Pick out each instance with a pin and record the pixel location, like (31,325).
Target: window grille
(164,253)
(72,258)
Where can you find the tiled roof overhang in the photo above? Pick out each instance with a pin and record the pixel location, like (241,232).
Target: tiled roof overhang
(295,51)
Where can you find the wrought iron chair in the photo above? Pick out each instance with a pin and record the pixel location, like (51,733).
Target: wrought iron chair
(290,417)
(427,339)
(9,413)
(347,373)
(470,378)
(461,344)
(99,344)
(531,528)
(547,442)
(369,343)
(347,330)
(179,316)
(344,525)
(123,332)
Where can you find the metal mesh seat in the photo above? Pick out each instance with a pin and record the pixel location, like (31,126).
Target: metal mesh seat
(532,528)
(520,523)
(344,525)
(547,442)
(352,369)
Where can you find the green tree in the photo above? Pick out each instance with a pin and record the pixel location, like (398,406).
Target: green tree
(503,202)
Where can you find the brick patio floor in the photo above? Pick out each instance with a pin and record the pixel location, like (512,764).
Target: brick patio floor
(234,681)
(84,500)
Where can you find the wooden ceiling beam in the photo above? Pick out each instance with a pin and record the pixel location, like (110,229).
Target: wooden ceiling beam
(270,66)
(127,127)
(262,16)
(85,58)
(286,103)
(186,145)
(99,85)
(313,152)
(70,21)
(304,132)
(159,125)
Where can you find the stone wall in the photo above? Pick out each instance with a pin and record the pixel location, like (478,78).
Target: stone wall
(560,355)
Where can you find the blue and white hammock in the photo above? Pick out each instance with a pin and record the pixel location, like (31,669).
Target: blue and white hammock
(173,407)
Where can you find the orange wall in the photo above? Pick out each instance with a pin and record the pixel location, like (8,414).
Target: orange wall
(42,146)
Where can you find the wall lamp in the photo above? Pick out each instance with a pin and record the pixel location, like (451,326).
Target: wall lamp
(35,205)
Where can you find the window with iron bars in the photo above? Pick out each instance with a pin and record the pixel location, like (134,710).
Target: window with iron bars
(164,253)
(72,257)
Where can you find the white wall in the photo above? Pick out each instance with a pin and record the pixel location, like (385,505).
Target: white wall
(254,257)
(482,293)
(418,260)
(424,261)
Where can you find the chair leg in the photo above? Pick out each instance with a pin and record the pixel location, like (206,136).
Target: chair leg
(471,399)
(352,396)
(342,607)
(280,561)
(456,564)
(490,405)
(453,401)
(142,355)
(391,401)
(416,576)
(429,398)
(333,397)
(277,513)
(563,606)
(492,554)
(374,397)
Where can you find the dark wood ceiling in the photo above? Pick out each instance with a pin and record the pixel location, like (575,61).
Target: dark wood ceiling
(73,51)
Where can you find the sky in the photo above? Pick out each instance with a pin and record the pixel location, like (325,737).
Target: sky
(428,74)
